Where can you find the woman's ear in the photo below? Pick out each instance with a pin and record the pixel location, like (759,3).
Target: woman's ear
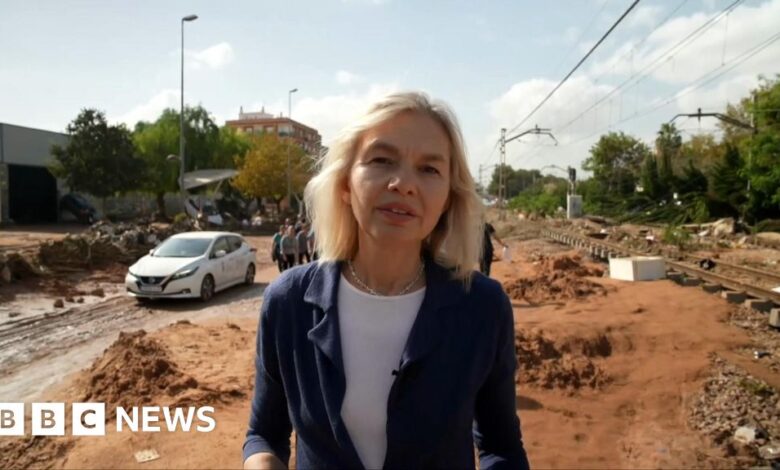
(346,193)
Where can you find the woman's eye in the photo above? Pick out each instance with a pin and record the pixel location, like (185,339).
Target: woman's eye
(431,169)
(380,160)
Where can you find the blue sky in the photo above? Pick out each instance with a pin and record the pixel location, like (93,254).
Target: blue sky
(491,61)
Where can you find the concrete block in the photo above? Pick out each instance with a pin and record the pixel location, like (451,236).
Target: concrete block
(760,305)
(637,268)
(774,317)
(733,296)
(711,288)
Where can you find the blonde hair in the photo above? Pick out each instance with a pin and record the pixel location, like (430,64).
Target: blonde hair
(455,242)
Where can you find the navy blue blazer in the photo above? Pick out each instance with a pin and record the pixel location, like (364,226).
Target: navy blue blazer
(454,386)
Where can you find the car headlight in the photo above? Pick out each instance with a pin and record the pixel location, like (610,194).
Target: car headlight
(133,274)
(185,273)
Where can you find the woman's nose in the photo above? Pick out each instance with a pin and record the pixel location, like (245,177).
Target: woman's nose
(402,181)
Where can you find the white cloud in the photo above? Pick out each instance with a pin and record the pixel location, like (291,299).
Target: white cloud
(329,114)
(714,98)
(536,151)
(344,77)
(644,16)
(215,57)
(745,27)
(150,110)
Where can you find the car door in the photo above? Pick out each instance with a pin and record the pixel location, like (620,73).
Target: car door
(235,258)
(220,267)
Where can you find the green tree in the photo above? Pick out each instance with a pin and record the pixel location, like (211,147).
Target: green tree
(99,158)
(762,150)
(206,146)
(667,149)
(516,180)
(650,178)
(702,151)
(262,171)
(728,185)
(615,161)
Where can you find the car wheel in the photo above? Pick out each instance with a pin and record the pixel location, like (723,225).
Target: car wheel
(249,279)
(207,288)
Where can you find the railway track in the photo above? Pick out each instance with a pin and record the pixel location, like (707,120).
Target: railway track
(679,263)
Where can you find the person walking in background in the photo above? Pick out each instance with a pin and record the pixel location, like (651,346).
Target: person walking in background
(276,249)
(487,250)
(289,246)
(311,239)
(303,244)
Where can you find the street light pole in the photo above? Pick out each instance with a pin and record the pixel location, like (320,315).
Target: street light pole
(181,115)
(289,170)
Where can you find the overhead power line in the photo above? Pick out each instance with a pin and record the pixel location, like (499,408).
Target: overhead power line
(659,60)
(595,46)
(694,85)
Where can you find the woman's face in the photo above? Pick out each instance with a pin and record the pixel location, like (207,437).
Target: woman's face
(399,183)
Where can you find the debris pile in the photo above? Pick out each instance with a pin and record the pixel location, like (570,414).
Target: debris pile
(740,413)
(559,277)
(565,365)
(765,342)
(15,266)
(102,245)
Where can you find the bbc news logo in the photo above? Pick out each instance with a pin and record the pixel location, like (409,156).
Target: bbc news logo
(89,419)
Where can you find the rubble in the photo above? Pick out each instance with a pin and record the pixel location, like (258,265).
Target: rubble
(739,412)
(102,244)
(765,340)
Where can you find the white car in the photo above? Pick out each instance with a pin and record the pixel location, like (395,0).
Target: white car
(192,264)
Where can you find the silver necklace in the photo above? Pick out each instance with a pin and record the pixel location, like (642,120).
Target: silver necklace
(373,292)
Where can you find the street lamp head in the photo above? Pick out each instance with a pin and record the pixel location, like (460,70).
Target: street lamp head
(190,18)
(293,90)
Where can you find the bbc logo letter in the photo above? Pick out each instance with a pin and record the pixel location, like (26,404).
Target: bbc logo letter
(89,419)
(48,419)
(11,419)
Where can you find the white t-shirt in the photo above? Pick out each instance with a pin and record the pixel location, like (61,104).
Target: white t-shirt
(374,330)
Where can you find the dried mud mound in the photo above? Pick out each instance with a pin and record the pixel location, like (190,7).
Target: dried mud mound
(137,371)
(560,277)
(567,364)
(132,371)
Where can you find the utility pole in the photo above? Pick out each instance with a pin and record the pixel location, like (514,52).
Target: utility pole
(501,176)
(182,165)
(289,169)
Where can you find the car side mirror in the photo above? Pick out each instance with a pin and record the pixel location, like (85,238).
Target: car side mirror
(151,252)
(220,253)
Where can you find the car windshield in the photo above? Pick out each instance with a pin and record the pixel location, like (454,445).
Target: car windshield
(182,248)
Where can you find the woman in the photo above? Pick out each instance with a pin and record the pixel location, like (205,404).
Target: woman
(303,245)
(389,351)
(289,247)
